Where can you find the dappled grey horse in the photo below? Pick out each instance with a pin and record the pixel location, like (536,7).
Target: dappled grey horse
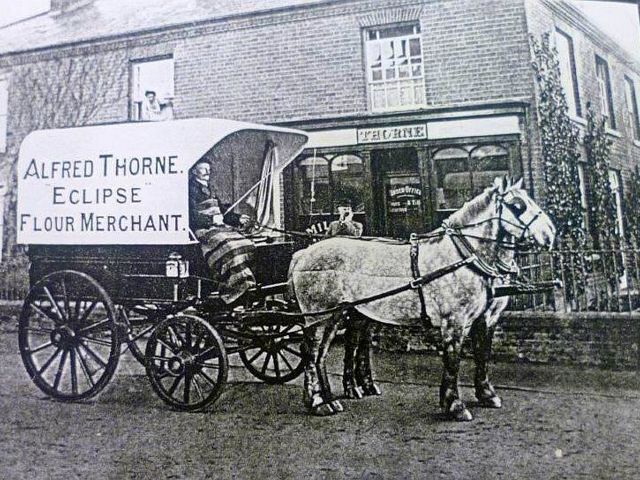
(471,248)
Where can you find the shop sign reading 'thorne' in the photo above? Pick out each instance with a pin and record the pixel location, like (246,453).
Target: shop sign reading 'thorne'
(392,134)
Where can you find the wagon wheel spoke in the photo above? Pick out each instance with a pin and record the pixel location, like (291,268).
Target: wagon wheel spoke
(286,361)
(177,340)
(65,299)
(44,331)
(208,365)
(96,341)
(44,314)
(251,360)
(188,336)
(94,326)
(174,385)
(276,365)
(207,378)
(266,362)
(63,360)
(167,346)
(74,373)
(198,389)
(46,364)
(291,351)
(187,388)
(84,367)
(94,355)
(87,312)
(54,304)
(76,309)
(40,348)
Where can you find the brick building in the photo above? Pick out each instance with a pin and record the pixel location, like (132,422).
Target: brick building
(413,105)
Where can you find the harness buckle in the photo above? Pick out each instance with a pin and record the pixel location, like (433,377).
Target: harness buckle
(413,239)
(416,283)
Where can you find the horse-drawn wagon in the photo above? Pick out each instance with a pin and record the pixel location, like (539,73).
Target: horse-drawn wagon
(114,265)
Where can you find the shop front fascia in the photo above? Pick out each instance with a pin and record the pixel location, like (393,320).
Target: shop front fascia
(401,177)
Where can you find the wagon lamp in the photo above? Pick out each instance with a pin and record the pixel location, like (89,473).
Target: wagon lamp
(176,266)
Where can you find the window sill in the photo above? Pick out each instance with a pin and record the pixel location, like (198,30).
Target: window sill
(613,133)
(579,120)
(407,108)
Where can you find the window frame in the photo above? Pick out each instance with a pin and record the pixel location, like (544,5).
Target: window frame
(135,106)
(631,101)
(606,93)
(573,73)
(416,82)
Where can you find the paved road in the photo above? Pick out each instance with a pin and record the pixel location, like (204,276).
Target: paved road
(558,423)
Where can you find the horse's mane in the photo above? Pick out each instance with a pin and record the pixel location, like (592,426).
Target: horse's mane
(469,212)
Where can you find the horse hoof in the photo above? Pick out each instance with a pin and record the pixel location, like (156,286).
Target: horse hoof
(372,390)
(458,412)
(323,410)
(490,402)
(353,393)
(336,406)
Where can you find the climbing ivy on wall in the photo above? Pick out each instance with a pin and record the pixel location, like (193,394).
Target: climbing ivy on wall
(560,153)
(603,213)
(631,217)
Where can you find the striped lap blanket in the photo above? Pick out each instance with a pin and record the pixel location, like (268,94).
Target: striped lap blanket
(229,255)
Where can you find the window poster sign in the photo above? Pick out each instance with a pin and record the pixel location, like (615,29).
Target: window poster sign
(112,184)
(405,197)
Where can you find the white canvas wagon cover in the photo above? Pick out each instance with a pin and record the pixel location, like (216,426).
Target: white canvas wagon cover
(128,183)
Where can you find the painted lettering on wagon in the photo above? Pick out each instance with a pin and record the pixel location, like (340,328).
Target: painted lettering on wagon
(96,195)
(392,134)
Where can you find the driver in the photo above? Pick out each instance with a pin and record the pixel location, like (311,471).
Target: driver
(227,252)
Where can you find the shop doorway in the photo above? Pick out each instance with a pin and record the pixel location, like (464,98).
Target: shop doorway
(398,192)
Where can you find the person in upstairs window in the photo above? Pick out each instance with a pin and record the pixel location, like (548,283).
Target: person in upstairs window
(227,252)
(151,110)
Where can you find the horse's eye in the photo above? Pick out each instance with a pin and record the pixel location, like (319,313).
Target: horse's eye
(517,206)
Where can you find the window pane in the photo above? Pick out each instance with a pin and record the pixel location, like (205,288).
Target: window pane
(406,98)
(403,72)
(453,182)
(376,75)
(390,73)
(487,163)
(392,97)
(155,76)
(312,186)
(348,181)
(414,47)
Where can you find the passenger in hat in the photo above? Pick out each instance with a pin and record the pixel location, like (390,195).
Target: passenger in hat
(344,226)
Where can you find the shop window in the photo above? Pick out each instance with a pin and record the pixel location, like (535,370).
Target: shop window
(152,90)
(348,185)
(313,196)
(632,107)
(463,172)
(568,76)
(395,76)
(606,97)
(322,183)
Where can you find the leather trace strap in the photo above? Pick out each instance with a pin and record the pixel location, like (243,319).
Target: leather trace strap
(414,253)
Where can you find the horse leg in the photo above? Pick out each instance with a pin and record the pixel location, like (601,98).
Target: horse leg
(450,401)
(327,338)
(351,339)
(317,391)
(364,375)
(481,338)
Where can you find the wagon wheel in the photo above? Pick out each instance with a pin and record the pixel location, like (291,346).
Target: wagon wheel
(68,336)
(186,362)
(273,352)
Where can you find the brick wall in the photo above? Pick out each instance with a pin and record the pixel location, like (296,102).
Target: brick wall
(591,339)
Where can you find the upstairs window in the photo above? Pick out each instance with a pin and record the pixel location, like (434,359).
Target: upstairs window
(4,105)
(632,107)
(395,76)
(568,76)
(152,95)
(606,97)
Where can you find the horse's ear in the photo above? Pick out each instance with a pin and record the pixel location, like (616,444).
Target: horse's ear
(505,183)
(519,183)
(497,183)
